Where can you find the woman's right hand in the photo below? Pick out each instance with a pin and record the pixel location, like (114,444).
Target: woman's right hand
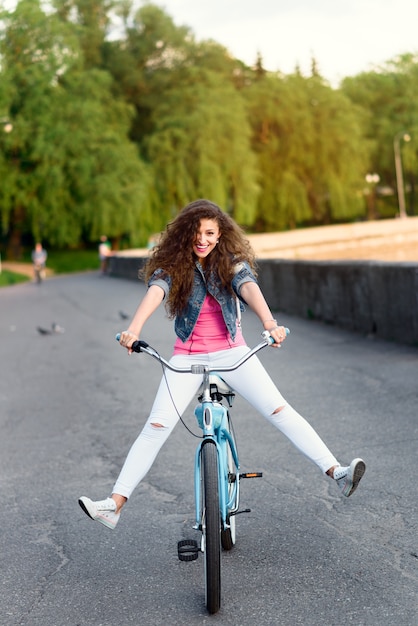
(127,338)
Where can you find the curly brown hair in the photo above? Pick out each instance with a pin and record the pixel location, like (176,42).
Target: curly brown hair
(174,252)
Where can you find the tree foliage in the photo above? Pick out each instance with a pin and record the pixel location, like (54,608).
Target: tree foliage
(200,147)
(308,138)
(120,117)
(390,95)
(70,171)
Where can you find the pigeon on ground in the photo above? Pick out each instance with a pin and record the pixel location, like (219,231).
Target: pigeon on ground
(43,331)
(55,328)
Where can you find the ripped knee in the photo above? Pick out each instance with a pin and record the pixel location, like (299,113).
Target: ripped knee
(280,408)
(157,425)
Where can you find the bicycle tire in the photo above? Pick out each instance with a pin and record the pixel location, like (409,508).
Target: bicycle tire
(211,527)
(228,535)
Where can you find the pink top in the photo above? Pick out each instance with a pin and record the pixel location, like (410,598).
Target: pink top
(210,333)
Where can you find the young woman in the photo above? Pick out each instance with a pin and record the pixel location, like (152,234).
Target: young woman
(201,266)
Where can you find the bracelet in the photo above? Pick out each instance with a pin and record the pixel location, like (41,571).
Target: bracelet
(275,321)
(128,332)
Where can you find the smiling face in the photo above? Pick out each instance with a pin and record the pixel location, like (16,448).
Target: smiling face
(206,238)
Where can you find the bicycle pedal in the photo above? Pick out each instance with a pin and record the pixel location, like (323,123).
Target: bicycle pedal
(187,550)
(251,475)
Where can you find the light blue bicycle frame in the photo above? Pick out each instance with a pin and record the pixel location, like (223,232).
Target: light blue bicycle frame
(213,419)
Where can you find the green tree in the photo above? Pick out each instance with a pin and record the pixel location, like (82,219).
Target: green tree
(201,148)
(34,50)
(191,124)
(143,61)
(69,169)
(92,23)
(101,184)
(308,138)
(389,95)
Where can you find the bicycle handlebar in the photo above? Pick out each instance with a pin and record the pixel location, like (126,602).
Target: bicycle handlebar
(143,346)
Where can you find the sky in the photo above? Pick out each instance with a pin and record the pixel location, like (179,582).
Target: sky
(345,37)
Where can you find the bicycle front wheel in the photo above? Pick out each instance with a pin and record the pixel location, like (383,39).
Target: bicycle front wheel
(228,535)
(211,527)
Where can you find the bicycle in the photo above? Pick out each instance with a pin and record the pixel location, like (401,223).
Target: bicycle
(39,272)
(216,473)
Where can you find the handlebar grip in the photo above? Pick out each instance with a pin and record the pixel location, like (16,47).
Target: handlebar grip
(267,335)
(136,346)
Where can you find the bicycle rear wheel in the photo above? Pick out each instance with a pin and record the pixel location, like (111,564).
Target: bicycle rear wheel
(211,527)
(38,275)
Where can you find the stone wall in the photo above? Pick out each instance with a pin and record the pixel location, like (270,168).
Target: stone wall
(369,297)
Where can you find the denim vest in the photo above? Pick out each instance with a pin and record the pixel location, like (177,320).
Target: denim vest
(185,323)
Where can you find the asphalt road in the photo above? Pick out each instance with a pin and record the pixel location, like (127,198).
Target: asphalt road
(72,403)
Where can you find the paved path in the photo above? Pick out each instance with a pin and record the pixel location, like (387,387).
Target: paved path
(72,403)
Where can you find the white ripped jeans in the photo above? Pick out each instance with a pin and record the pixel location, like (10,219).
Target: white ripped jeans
(251,381)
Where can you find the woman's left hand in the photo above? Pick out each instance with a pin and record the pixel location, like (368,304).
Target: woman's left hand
(279,335)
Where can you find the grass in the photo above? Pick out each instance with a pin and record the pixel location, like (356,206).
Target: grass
(11,278)
(69,261)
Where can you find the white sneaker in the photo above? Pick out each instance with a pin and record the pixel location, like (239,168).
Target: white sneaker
(349,477)
(103,511)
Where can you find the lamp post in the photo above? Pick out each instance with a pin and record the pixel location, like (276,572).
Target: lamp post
(7,128)
(372,180)
(7,125)
(398,168)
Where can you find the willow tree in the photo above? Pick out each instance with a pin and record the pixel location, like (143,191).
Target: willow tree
(101,184)
(92,23)
(143,61)
(34,50)
(71,172)
(311,153)
(200,147)
(389,95)
(190,123)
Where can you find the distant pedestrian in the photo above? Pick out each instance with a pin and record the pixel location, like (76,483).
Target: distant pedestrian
(105,251)
(39,257)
